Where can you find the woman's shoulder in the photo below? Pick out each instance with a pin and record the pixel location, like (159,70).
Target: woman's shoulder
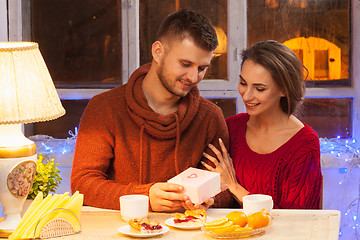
(309,133)
(306,138)
(237,119)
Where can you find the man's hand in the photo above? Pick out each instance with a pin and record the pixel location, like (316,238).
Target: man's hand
(166,197)
(189,205)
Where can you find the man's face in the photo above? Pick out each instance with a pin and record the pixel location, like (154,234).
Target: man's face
(182,66)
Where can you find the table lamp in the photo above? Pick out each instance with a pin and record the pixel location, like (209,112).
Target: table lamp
(27,94)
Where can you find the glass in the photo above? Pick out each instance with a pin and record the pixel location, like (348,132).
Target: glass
(80,41)
(227,105)
(329,117)
(59,128)
(317,31)
(153,12)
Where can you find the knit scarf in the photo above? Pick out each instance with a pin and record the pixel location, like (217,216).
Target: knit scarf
(156,125)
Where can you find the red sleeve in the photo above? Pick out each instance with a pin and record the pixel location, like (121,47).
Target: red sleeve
(302,187)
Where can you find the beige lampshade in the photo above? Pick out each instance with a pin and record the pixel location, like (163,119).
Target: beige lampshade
(27,92)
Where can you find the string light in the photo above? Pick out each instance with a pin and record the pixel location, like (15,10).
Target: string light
(46,144)
(344,154)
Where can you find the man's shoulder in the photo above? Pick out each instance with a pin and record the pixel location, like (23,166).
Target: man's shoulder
(207,104)
(110,95)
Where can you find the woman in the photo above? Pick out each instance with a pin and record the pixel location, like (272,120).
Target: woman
(272,151)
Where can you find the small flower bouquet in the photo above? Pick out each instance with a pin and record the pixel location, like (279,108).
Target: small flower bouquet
(47,177)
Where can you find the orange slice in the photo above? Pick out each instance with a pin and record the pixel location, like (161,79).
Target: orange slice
(216,222)
(241,229)
(224,227)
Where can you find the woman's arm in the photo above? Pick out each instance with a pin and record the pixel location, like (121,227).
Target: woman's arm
(224,165)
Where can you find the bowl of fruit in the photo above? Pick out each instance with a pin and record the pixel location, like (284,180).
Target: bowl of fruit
(237,224)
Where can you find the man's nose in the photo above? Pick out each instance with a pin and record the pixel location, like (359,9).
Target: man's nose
(193,75)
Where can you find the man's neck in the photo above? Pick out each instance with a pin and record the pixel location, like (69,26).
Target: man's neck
(158,98)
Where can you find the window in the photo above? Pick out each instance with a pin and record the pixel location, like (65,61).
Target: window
(107,40)
(318,32)
(80,41)
(151,17)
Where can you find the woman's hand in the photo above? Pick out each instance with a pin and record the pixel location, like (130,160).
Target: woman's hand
(223,165)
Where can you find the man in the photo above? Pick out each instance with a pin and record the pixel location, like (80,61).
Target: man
(135,137)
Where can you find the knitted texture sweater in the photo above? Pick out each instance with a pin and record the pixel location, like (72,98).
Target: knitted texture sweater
(291,174)
(124,147)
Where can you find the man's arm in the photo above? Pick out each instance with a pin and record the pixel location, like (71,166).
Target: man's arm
(93,156)
(93,163)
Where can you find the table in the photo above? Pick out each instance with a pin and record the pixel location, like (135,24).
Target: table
(101,224)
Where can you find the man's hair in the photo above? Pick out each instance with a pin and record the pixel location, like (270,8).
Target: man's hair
(285,68)
(186,23)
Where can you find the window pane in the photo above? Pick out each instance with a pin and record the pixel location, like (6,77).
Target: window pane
(227,105)
(153,12)
(80,40)
(317,31)
(60,127)
(329,117)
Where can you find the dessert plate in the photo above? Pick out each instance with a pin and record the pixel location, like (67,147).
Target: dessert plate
(170,222)
(127,231)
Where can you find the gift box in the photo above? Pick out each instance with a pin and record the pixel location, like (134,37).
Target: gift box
(198,184)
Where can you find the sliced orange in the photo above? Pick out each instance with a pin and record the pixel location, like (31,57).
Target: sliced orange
(224,227)
(242,229)
(216,222)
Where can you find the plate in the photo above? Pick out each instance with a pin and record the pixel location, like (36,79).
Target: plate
(126,230)
(170,222)
(236,234)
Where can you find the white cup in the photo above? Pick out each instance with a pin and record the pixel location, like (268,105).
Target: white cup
(134,206)
(257,202)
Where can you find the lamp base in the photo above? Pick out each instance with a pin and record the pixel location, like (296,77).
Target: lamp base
(16,178)
(10,222)
(17,171)
(5,233)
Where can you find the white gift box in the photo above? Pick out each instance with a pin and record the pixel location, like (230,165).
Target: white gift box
(198,184)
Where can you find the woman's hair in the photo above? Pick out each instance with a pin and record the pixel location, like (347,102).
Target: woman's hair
(285,68)
(186,23)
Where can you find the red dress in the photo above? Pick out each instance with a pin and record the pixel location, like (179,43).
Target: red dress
(291,174)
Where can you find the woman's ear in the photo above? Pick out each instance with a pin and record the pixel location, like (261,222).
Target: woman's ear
(157,50)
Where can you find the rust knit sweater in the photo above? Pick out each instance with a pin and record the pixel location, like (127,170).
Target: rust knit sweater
(124,147)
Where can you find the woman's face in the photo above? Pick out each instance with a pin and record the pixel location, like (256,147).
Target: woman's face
(260,93)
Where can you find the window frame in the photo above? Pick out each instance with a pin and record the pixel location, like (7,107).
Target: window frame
(15,26)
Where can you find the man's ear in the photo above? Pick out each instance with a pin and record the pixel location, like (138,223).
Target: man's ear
(157,50)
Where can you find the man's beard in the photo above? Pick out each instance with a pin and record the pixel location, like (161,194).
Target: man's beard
(165,82)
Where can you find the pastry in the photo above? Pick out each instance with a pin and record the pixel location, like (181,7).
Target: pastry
(190,218)
(143,225)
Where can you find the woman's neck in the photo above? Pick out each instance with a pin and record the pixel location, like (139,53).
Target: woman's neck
(268,121)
